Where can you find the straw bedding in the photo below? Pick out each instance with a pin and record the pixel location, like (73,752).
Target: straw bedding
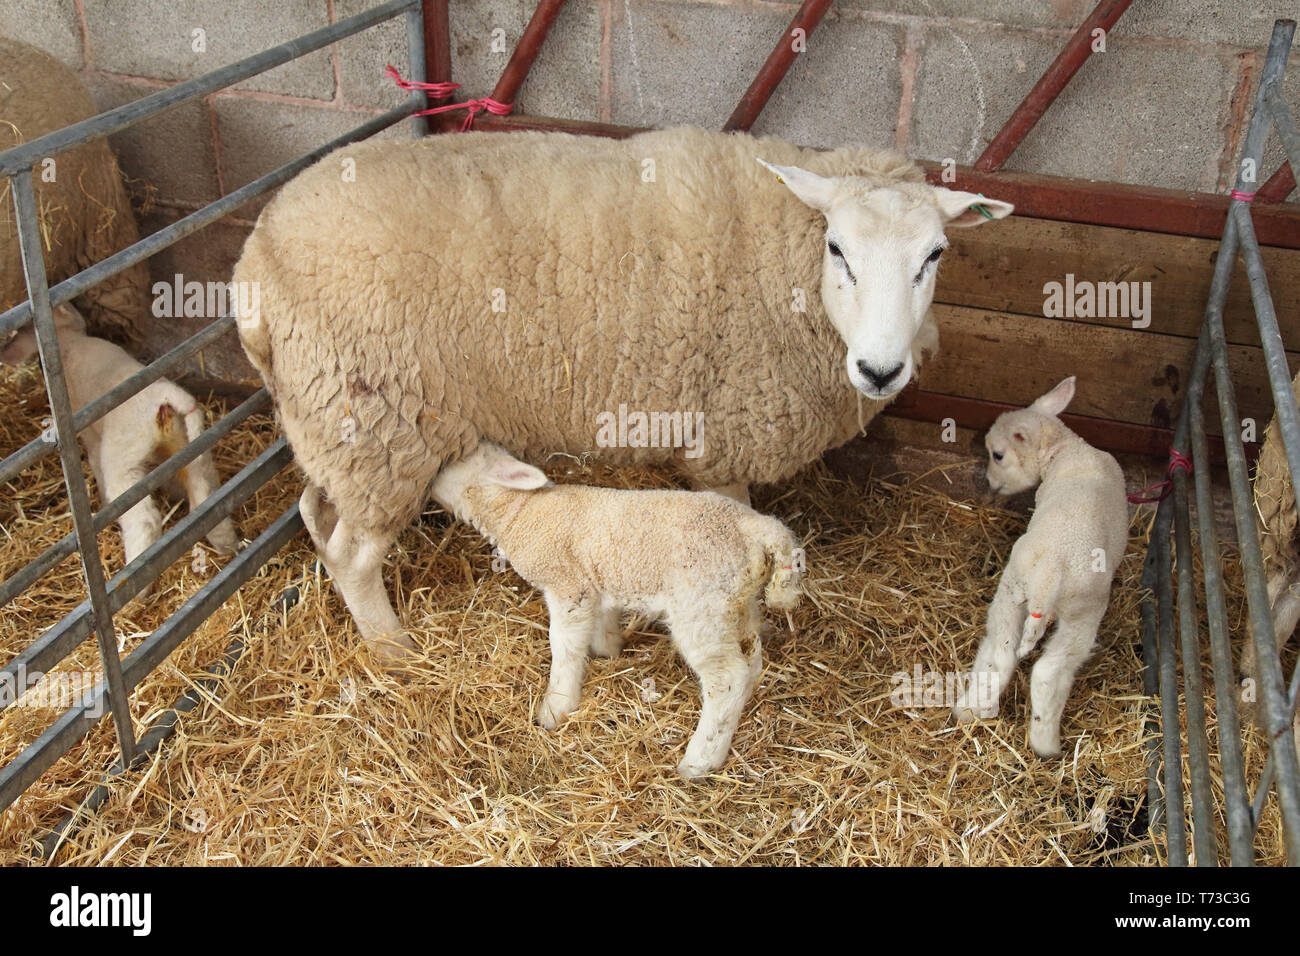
(307,755)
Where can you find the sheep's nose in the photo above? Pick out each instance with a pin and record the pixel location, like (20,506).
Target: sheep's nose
(880,379)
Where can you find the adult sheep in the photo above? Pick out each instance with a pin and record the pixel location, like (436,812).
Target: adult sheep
(415,297)
(85,214)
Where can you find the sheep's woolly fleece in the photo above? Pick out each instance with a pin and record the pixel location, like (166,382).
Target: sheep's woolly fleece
(85,214)
(377,305)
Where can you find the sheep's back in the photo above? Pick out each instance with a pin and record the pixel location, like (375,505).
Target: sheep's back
(1275,506)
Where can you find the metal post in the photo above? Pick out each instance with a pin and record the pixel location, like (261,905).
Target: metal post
(29,241)
(776,66)
(415,69)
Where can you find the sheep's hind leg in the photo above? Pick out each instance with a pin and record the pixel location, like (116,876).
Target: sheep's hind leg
(142,523)
(727,679)
(574,623)
(355,560)
(607,635)
(1051,679)
(996,659)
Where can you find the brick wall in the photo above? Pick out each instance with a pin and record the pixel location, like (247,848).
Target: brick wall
(1165,105)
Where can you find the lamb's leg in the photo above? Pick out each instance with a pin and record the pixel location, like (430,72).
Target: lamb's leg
(1033,631)
(1053,676)
(711,646)
(354,557)
(996,659)
(574,622)
(200,480)
(142,523)
(1286,614)
(607,635)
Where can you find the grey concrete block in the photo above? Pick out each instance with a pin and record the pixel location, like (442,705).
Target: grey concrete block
(171,152)
(1139,113)
(257,136)
(1021,13)
(207,256)
(362,59)
(1208,21)
(157,40)
(1274,154)
(844,89)
(686,63)
(49,25)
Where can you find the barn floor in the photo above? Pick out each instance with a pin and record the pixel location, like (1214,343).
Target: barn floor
(308,756)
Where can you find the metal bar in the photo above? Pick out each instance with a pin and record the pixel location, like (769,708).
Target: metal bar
(415,69)
(526,50)
(25,155)
(31,573)
(778,63)
(1150,688)
(1123,206)
(1175,824)
(38,448)
(437,41)
(1279,185)
(74,479)
(60,640)
(165,726)
(1053,81)
(1198,743)
(76,722)
(168,235)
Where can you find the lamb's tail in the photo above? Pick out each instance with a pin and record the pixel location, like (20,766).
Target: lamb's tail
(785,579)
(179,420)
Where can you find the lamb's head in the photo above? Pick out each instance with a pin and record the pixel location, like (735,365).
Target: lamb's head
(1021,442)
(882,249)
(21,347)
(464,484)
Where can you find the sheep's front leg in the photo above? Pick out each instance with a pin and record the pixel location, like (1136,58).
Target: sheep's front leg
(727,680)
(607,635)
(996,659)
(354,557)
(574,621)
(1051,679)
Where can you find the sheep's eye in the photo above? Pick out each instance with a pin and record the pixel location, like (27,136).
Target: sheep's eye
(934,256)
(835,249)
(997,456)
(930,260)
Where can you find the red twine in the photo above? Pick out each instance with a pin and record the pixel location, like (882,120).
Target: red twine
(1177,460)
(1244,197)
(441,90)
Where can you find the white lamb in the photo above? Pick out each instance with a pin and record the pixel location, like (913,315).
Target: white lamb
(1060,570)
(699,559)
(125,444)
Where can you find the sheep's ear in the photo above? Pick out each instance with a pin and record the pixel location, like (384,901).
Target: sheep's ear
(1055,401)
(20,350)
(517,475)
(66,316)
(964,209)
(813,190)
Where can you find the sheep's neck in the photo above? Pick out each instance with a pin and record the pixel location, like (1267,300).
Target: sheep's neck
(497,510)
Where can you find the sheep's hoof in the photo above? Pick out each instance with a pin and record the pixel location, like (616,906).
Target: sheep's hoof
(393,651)
(607,645)
(223,538)
(965,714)
(1044,746)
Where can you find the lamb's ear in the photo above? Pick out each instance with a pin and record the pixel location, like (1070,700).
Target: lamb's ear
(813,190)
(517,475)
(1055,401)
(963,209)
(21,349)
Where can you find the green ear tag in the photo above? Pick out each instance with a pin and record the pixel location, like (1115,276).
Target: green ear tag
(980,209)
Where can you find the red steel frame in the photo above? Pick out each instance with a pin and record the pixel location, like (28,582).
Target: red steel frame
(1176,212)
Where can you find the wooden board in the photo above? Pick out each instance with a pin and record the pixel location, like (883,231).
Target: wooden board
(1005,266)
(1124,375)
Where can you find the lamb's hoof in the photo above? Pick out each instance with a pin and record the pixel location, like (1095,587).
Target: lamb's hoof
(965,714)
(1044,746)
(224,540)
(607,645)
(690,770)
(552,711)
(393,651)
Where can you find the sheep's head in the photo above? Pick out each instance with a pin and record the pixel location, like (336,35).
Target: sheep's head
(882,249)
(21,347)
(1019,442)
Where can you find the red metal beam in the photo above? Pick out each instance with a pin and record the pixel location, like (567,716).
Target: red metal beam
(1124,437)
(530,44)
(778,63)
(1045,91)
(1279,185)
(437,55)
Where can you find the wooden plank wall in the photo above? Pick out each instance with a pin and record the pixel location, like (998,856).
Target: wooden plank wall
(996,344)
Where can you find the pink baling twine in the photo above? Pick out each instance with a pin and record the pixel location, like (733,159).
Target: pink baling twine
(1243,197)
(441,90)
(1177,460)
